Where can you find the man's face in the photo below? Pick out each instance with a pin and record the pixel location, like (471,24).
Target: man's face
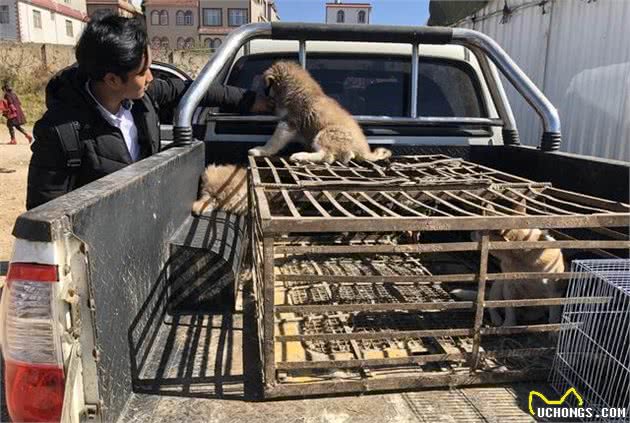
(137,80)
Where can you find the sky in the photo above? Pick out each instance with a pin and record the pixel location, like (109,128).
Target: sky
(386,12)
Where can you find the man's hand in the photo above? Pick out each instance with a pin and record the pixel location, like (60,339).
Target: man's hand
(262,104)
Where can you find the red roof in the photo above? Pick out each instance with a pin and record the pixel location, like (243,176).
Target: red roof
(59,8)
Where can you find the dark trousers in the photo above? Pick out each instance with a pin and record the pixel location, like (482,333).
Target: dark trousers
(11,127)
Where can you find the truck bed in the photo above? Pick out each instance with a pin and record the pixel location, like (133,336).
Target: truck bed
(195,372)
(154,363)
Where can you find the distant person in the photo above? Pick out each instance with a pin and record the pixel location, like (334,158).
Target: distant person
(12,110)
(103,111)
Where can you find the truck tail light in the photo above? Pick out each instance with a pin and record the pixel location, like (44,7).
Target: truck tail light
(31,344)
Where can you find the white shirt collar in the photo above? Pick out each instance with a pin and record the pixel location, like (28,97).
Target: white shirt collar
(113,119)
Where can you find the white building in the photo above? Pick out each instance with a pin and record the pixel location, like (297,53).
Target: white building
(349,13)
(42,21)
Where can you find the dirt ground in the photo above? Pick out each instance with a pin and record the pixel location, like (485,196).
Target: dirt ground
(14,161)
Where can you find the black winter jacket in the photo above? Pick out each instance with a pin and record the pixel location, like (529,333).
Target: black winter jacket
(103,148)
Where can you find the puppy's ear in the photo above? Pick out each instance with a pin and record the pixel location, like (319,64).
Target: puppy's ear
(269,78)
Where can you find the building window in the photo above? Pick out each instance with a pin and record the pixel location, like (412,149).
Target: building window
(212,43)
(156,42)
(184,18)
(164,43)
(237,17)
(180,43)
(189,43)
(212,17)
(163,17)
(361,17)
(4,14)
(37,19)
(69,29)
(341,17)
(155,17)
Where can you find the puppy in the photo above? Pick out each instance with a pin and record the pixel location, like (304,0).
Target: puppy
(222,188)
(312,118)
(548,260)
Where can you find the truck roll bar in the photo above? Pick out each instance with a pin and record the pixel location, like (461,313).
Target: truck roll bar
(363,33)
(479,43)
(552,135)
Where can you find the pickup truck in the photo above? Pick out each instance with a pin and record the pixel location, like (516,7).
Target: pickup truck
(122,306)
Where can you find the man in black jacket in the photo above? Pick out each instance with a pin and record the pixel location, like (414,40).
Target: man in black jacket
(102,114)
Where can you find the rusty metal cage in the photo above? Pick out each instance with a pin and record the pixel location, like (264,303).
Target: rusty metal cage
(354,267)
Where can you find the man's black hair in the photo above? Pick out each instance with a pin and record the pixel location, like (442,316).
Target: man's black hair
(111,44)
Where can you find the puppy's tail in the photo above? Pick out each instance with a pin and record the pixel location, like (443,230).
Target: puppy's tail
(464,294)
(378,154)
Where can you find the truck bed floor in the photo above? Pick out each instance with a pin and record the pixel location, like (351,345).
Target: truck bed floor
(195,373)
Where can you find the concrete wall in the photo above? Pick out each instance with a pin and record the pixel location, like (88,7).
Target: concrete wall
(30,61)
(190,61)
(24,59)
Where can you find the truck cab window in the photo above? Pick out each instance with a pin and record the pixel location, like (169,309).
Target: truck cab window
(379,85)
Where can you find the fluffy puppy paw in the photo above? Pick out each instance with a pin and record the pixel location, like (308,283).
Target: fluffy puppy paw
(257,152)
(199,207)
(300,157)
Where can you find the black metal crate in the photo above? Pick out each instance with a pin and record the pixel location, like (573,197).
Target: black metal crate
(354,265)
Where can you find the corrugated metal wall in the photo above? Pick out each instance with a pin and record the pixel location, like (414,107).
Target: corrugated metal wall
(578,53)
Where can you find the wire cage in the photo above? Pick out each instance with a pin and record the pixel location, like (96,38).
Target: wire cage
(594,358)
(355,267)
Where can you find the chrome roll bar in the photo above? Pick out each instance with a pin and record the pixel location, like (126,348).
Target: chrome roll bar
(481,45)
